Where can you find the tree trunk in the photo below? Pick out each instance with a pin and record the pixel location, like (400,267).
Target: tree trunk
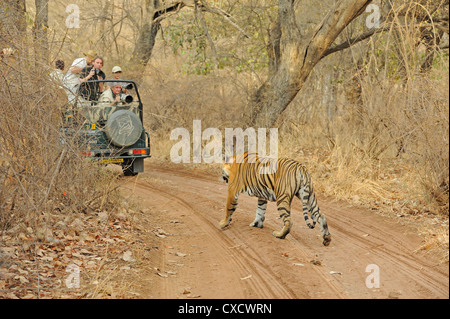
(12,19)
(40,32)
(299,54)
(147,35)
(154,13)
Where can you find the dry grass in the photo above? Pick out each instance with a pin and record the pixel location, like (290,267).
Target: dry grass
(50,197)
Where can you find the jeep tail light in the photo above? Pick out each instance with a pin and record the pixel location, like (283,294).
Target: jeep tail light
(138,152)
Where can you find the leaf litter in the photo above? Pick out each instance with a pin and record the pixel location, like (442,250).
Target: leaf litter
(35,262)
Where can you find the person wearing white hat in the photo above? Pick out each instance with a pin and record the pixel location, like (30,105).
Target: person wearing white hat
(116,75)
(117,72)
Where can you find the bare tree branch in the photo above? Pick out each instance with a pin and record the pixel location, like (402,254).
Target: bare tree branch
(224,14)
(163,12)
(202,21)
(363,36)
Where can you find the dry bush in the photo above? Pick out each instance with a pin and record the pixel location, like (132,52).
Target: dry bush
(41,171)
(53,202)
(381,126)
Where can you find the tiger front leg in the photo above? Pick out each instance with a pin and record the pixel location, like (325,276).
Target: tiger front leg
(229,210)
(260,214)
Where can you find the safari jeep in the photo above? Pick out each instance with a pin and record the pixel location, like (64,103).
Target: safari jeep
(112,132)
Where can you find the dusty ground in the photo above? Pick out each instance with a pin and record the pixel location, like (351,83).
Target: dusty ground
(182,253)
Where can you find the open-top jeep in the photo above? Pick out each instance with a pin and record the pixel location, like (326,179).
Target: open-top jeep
(112,131)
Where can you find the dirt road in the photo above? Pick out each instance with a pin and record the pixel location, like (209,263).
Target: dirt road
(186,255)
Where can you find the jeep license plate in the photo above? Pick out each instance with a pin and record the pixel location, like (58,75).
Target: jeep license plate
(111,160)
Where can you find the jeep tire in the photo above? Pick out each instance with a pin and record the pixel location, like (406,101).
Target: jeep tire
(131,167)
(123,128)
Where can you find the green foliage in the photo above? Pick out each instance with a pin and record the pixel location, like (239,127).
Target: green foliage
(186,36)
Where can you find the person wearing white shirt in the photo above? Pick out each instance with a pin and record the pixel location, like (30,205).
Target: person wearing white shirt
(57,75)
(70,80)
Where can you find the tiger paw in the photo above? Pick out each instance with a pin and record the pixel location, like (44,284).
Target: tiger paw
(280,234)
(224,223)
(257,223)
(326,240)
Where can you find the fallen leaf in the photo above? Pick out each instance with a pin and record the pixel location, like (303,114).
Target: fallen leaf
(394,295)
(316,262)
(127,256)
(22,279)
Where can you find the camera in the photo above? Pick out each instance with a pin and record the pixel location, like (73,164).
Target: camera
(126,98)
(127,86)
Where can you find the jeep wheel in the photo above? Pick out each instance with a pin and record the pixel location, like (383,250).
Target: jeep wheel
(128,171)
(123,128)
(128,168)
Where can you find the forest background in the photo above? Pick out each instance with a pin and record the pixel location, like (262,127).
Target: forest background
(359,91)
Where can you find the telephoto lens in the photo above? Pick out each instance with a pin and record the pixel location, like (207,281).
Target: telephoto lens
(127,86)
(126,98)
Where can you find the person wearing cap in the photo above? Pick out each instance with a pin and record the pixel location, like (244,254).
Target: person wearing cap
(117,72)
(116,75)
(79,64)
(70,80)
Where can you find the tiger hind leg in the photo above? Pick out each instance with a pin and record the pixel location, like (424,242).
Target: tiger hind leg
(324,229)
(310,204)
(318,217)
(303,194)
(260,214)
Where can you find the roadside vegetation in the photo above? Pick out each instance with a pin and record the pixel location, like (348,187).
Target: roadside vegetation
(371,121)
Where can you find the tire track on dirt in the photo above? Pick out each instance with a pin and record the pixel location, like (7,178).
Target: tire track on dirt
(391,252)
(359,237)
(266,283)
(303,281)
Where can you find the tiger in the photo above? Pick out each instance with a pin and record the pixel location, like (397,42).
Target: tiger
(272,180)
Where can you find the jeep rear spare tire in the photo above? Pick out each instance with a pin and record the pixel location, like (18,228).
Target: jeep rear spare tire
(123,128)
